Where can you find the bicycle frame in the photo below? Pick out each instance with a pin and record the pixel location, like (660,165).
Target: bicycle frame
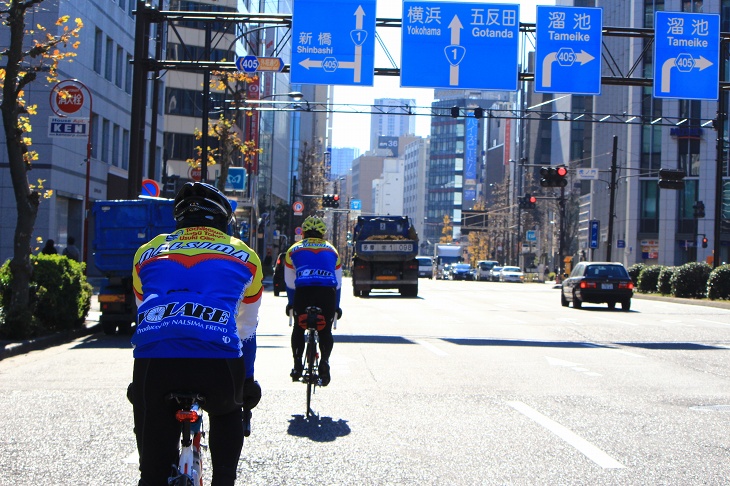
(312,321)
(189,471)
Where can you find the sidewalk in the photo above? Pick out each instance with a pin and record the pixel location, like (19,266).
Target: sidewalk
(91,326)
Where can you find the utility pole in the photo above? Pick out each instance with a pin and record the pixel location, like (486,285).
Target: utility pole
(720,160)
(612,200)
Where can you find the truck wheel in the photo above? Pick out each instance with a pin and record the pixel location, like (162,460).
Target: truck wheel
(409,291)
(125,328)
(109,327)
(365,293)
(276,293)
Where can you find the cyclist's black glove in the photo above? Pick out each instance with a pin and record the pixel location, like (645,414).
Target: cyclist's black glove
(288,309)
(251,393)
(339,313)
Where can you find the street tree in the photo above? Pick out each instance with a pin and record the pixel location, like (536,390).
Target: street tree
(30,52)
(227,129)
(447,230)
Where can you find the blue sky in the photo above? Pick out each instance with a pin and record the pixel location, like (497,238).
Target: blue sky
(353,130)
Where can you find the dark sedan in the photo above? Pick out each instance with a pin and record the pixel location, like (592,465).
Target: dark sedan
(597,283)
(461,271)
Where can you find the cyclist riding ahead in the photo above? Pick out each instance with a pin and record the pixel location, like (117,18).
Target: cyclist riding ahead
(198,294)
(313,276)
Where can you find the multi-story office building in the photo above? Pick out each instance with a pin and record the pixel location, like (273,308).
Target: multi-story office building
(456,165)
(651,225)
(415,173)
(103,67)
(391,122)
(341,160)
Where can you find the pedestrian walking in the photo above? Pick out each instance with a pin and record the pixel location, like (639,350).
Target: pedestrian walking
(72,250)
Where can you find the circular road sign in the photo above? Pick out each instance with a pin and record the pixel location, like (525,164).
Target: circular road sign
(195,173)
(69,99)
(150,188)
(298,230)
(298,207)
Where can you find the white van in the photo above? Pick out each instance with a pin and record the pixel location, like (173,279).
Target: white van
(425,266)
(484,269)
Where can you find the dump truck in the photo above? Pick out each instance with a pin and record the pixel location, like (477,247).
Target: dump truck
(120,228)
(385,255)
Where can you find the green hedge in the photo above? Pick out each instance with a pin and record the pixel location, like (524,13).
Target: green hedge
(60,295)
(635,271)
(664,282)
(718,285)
(648,279)
(690,280)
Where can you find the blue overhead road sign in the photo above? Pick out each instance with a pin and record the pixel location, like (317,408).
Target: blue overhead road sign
(568,52)
(459,45)
(686,55)
(333,42)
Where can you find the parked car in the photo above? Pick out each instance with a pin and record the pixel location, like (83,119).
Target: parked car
(461,271)
(494,274)
(511,274)
(425,267)
(597,283)
(484,268)
(279,284)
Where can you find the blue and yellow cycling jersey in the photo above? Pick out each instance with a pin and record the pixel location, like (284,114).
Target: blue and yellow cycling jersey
(312,262)
(198,293)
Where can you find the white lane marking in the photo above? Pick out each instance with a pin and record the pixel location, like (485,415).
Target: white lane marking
(133,458)
(432,348)
(616,321)
(560,362)
(592,373)
(580,444)
(713,322)
(630,354)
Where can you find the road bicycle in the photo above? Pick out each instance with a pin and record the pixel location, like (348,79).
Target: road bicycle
(312,321)
(189,470)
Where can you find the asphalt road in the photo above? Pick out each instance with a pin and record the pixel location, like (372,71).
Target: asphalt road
(471,383)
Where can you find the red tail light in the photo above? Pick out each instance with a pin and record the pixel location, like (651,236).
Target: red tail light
(588,285)
(187,415)
(626,285)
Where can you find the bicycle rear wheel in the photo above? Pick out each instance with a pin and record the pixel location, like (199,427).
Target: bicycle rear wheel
(311,370)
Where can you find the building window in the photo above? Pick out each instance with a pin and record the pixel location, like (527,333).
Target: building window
(98,38)
(125,149)
(687,221)
(119,74)
(105,135)
(116,152)
(649,210)
(109,59)
(94,127)
(130,71)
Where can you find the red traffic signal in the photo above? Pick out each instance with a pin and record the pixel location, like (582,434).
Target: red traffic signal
(704,242)
(330,200)
(553,176)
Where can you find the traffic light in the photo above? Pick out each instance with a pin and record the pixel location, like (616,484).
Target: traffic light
(704,242)
(478,112)
(330,200)
(454,112)
(553,176)
(521,201)
(699,208)
(530,201)
(671,178)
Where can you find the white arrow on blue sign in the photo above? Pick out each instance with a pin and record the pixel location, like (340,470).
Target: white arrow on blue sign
(686,55)
(459,45)
(568,52)
(333,42)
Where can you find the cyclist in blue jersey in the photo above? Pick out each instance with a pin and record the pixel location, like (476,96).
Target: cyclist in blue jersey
(313,276)
(198,294)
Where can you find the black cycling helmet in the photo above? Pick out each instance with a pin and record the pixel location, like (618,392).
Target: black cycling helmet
(200,204)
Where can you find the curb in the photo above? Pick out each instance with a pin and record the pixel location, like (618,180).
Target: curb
(14,348)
